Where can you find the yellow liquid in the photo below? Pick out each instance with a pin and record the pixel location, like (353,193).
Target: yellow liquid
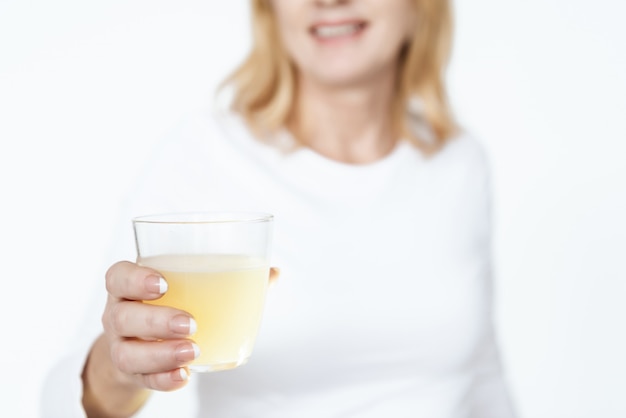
(225,294)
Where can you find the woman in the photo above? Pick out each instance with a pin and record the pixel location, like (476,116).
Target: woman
(340,127)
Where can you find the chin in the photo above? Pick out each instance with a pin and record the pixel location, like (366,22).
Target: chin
(345,79)
(342,76)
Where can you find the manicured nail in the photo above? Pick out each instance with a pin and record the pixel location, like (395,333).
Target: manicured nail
(182,374)
(184,325)
(187,351)
(196,350)
(156,284)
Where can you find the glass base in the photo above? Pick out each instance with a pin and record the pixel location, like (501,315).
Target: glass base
(216,367)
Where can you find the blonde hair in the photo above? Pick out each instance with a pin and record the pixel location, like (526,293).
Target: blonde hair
(265,84)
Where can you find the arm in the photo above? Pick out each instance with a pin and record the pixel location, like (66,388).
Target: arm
(490,398)
(106,392)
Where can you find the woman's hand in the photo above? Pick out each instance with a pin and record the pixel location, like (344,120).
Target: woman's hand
(143,346)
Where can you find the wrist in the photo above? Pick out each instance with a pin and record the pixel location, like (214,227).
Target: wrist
(107,391)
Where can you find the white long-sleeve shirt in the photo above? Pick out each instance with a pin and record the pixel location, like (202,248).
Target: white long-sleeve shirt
(383,307)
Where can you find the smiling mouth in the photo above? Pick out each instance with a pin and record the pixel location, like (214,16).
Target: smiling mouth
(338,30)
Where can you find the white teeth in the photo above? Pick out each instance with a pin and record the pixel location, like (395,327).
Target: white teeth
(336,30)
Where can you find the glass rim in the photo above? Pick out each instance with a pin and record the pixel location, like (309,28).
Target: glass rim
(206,217)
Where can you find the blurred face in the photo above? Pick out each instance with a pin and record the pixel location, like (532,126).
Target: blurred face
(344,42)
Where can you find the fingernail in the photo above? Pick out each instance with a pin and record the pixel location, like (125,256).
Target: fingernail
(187,351)
(196,350)
(184,325)
(156,284)
(182,374)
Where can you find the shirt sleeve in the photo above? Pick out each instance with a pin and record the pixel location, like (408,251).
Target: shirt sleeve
(490,397)
(490,392)
(63,386)
(159,188)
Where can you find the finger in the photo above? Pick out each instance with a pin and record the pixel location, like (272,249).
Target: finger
(141,320)
(126,280)
(165,381)
(274,274)
(146,357)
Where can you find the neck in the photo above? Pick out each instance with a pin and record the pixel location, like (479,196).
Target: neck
(350,124)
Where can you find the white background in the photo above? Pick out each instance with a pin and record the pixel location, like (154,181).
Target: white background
(87,87)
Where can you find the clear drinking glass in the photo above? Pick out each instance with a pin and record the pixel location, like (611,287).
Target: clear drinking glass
(216,267)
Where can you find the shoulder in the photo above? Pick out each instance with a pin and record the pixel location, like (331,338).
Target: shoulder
(464,150)
(464,158)
(201,125)
(197,133)
(180,162)
(463,169)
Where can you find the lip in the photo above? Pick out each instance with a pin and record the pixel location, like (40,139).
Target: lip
(338,30)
